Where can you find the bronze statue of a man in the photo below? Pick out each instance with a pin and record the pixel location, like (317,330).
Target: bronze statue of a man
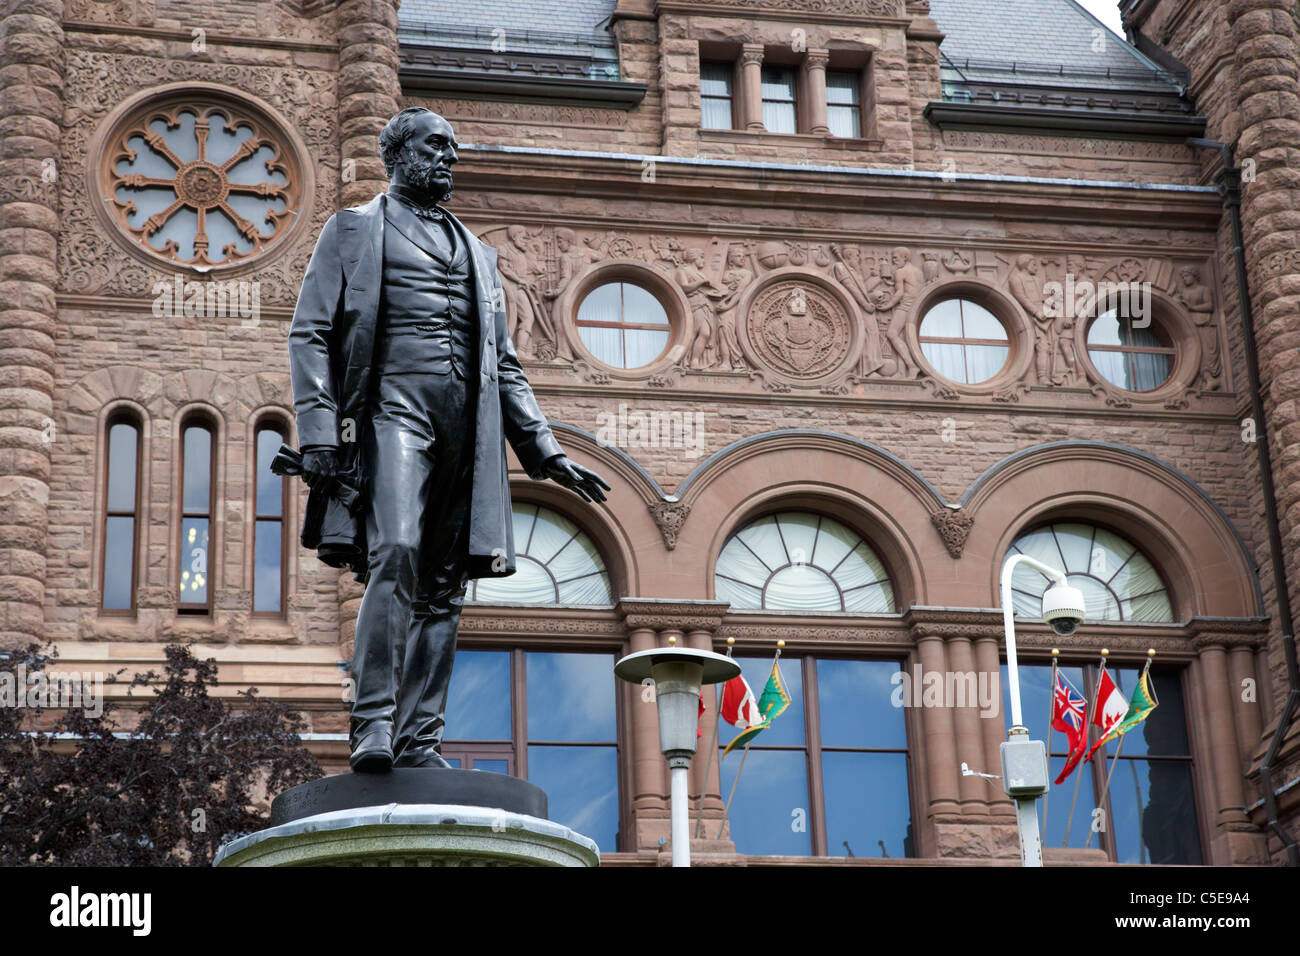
(407,387)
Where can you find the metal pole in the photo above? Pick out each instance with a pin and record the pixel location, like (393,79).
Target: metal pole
(1031,848)
(681,821)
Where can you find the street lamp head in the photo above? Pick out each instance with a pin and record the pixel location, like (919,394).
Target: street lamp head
(1063,608)
(678,673)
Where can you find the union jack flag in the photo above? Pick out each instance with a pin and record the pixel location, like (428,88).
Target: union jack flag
(1069,717)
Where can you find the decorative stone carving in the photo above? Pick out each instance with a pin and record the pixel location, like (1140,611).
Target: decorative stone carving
(953,527)
(798,329)
(901,300)
(526,314)
(735,280)
(670,516)
(1198,300)
(702,296)
(1026,285)
(847,270)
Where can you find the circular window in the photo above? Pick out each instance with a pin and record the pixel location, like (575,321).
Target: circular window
(555,563)
(199,181)
(623,325)
(802,562)
(964,341)
(1131,357)
(1118,582)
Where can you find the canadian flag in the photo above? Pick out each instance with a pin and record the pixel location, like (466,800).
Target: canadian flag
(739,705)
(1111,708)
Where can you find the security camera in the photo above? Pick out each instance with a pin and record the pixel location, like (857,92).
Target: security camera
(1063,608)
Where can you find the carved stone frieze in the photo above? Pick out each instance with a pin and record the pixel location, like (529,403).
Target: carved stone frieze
(798,329)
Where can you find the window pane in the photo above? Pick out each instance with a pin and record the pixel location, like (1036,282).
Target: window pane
(786,729)
(122,441)
(198,470)
(530,584)
(715,114)
(979,323)
(943,320)
(119,561)
(1056,805)
(1151,802)
(778,117)
(602,304)
(948,359)
(803,588)
(581,785)
(642,308)
(984,361)
(868,805)
(844,121)
(856,702)
(1036,702)
(270,486)
(778,99)
(1164,732)
(770,812)
(571,697)
(715,79)
(194,561)
(491,766)
(1105,330)
(478,700)
(268,541)
(842,87)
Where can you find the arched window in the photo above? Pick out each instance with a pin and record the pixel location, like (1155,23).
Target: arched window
(1118,582)
(556,563)
(271,494)
(121,513)
(197,486)
(1136,359)
(964,341)
(802,562)
(623,325)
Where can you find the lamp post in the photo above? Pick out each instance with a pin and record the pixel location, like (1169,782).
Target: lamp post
(678,674)
(1024,761)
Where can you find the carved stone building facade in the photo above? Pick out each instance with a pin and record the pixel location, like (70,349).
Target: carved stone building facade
(835,293)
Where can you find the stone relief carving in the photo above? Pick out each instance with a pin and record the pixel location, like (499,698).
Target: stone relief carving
(786,342)
(1198,300)
(953,527)
(670,516)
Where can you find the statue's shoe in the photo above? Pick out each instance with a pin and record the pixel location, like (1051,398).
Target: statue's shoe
(373,751)
(425,758)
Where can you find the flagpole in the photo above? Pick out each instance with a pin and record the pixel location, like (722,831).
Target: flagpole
(1079,769)
(1051,713)
(726,811)
(708,762)
(1115,759)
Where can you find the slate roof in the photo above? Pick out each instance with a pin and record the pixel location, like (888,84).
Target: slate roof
(569,28)
(1039,42)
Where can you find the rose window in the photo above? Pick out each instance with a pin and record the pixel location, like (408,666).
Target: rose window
(201,184)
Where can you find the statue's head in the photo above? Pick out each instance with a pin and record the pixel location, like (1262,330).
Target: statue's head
(1190,275)
(518,235)
(418,148)
(1027,263)
(736,256)
(902,256)
(565,238)
(694,256)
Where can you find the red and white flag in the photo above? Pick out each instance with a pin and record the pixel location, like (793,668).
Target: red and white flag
(1111,708)
(739,705)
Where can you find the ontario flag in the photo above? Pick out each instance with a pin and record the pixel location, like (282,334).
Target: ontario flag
(1111,708)
(1069,712)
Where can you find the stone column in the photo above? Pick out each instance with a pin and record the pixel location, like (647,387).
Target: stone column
(702,640)
(751,87)
(31,110)
(966,721)
(1249,718)
(814,66)
(369,93)
(649,771)
(940,751)
(993,730)
(1220,726)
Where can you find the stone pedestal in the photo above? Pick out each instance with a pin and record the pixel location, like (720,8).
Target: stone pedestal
(412,817)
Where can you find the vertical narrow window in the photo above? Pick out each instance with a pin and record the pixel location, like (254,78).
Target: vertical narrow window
(778,99)
(268,526)
(843,106)
(122,501)
(196,516)
(715,96)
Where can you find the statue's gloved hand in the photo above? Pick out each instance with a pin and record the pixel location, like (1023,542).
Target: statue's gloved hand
(318,465)
(585,482)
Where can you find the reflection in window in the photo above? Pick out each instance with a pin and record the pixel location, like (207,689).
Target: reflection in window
(861,761)
(565,741)
(1135,359)
(778,98)
(843,112)
(623,325)
(1152,801)
(268,526)
(1117,580)
(196,515)
(802,562)
(964,341)
(555,563)
(715,95)
(120,513)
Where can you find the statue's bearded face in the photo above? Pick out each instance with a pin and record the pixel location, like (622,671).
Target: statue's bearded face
(428,155)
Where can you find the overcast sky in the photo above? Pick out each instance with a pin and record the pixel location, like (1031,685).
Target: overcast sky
(1107,11)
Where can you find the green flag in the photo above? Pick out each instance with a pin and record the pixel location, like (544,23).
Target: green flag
(771,703)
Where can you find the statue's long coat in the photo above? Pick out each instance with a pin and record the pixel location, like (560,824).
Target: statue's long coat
(331,348)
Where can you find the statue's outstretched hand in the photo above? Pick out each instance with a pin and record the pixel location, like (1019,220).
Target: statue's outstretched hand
(576,478)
